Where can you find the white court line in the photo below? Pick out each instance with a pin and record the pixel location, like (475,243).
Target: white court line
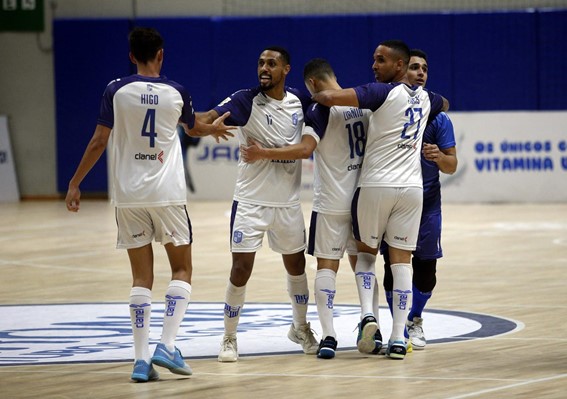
(511,386)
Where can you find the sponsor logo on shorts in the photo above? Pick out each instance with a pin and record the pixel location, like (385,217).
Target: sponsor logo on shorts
(143,233)
(404,239)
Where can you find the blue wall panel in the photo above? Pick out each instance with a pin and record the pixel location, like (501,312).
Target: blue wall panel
(432,33)
(237,44)
(343,42)
(187,54)
(552,60)
(88,55)
(495,62)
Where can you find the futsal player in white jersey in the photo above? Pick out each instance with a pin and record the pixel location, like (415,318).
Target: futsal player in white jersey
(387,203)
(141,113)
(336,136)
(266,196)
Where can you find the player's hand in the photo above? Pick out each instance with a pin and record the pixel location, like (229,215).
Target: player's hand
(251,152)
(220,129)
(73,199)
(431,152)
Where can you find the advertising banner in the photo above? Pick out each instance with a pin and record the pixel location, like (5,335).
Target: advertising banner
(509,157)
(503,157)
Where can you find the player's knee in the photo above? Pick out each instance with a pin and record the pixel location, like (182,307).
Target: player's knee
(424,274)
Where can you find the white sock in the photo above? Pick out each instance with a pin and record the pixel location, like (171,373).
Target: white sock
(376,302)
(401,300)
(299,295)
(177,299)
(325,289)
(365,282)
(140,314)
(233,303)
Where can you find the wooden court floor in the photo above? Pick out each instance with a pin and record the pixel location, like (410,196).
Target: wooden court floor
(503,260)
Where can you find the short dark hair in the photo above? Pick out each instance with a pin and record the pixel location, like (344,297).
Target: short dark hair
(415,52)
(144,43)
(283,52)
(400,47)
(318,68)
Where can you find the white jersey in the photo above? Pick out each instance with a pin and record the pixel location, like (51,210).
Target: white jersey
(273,123)
(145,151)
(341,136)
(395,133)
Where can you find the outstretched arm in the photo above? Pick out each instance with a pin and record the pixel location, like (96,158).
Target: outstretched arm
(329,98)
(94,150)
(254,150)
(210,124)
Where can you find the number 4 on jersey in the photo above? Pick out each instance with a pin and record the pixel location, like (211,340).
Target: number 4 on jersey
(149,128)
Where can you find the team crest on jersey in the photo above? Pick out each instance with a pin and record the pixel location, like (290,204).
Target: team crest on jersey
(237,236)
(294,119)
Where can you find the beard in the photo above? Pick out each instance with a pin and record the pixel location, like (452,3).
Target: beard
(267,86)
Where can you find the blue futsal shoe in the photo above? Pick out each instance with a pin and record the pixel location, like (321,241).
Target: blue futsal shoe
(144,372)
(327,348)
(171,360)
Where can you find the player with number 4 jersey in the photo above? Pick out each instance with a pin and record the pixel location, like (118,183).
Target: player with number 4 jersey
(141,113)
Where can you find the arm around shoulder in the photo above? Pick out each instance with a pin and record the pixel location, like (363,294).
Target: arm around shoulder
(329,98)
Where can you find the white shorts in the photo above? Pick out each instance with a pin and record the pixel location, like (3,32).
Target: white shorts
(330,236)
(285,228)
(393,213)
(140,226)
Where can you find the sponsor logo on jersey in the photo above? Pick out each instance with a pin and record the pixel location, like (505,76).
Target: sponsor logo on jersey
(283,160)
(149,157)
(404,239)
(404,146)
(355,166)
(143,233)
(414,100)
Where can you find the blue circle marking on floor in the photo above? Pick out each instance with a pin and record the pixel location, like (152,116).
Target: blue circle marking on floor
(101,332)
